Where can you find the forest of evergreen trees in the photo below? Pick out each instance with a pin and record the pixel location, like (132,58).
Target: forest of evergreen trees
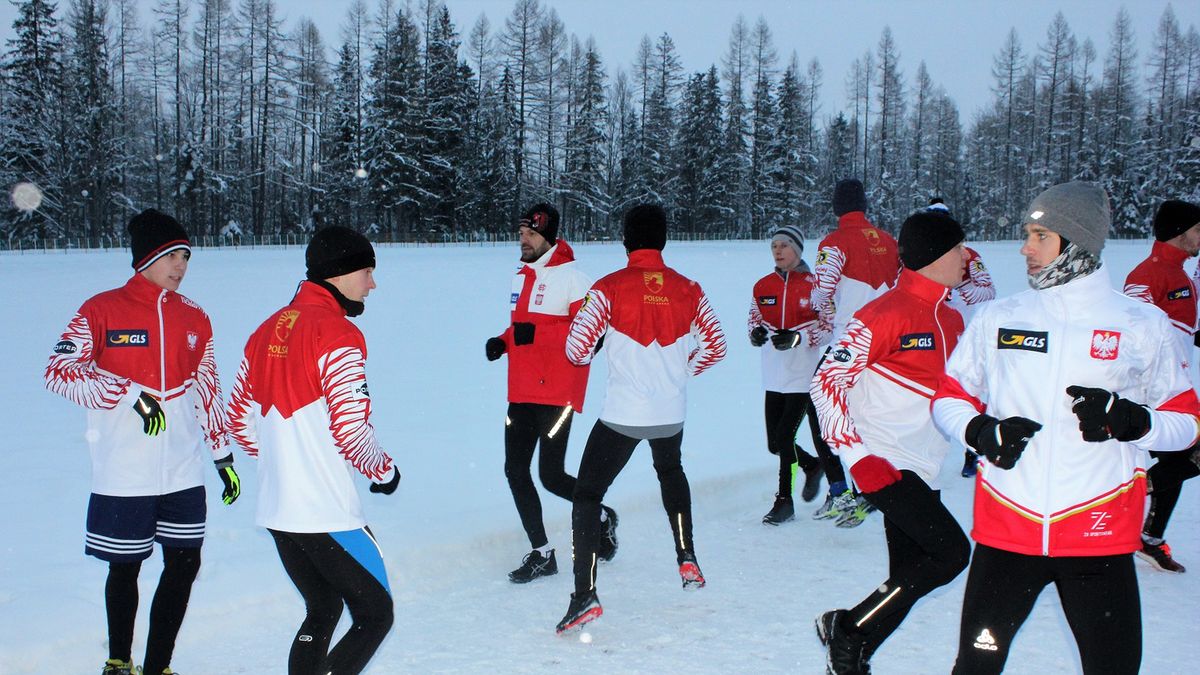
(412,129)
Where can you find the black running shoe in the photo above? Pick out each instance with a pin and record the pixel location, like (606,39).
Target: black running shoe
(846,654)
(970,464)
(608,536)
(1159,555)
(781,512)
(584,608)
(117,667)
(812,483)
(533,566)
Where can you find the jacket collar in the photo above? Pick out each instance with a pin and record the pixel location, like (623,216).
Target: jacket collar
(558,254)
(312,294)
(921,287)
(854,220)
(1167,253)
(144,289)
(646,257)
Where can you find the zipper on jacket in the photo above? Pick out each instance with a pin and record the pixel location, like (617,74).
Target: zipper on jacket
(1047,479)
(783,308)
(162,378)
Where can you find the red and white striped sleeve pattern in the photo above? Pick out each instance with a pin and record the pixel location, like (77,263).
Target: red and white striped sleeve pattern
(830,261)
(710,339)
(833,380)
(589,324)
(211,410)
(756,318)
(344,385)
(71,371)
(1139,291)
(241,407)
(978,286)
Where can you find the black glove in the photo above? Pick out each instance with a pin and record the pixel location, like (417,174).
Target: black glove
(758,336)
(1196,339)
(1104,415)
(494,348)
(388,487)
(1001,441)
(233,484)
(785,339)
(523,333)
(599,346)
(154,419)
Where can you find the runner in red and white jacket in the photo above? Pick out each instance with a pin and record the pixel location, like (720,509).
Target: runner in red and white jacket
(649,316)
(781,313)
(140,359)
(302,407)
(872,393)
(545,390)
(1161,281)
(855,264)
(1063,389)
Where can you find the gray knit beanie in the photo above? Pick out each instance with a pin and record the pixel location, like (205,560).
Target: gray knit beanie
(790,235)
(1077,211)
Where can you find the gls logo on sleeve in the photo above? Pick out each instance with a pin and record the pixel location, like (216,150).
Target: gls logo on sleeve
(1179,293)
(127,338)
(922,341)
(1025,340)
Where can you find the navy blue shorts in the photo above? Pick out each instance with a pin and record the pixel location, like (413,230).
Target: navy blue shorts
(124,529)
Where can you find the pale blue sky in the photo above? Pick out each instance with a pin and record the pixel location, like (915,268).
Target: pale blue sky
(957,39)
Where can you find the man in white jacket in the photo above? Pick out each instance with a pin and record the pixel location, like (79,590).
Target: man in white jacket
(1062,389)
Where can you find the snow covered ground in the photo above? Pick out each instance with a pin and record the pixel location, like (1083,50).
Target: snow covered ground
(450,533)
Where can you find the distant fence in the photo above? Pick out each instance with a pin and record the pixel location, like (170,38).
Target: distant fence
(73,244)
(80,244)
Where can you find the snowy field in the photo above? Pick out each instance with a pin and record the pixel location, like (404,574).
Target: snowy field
(450,533)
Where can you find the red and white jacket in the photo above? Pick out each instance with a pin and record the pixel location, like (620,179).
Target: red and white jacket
(782,300)
(301,405)
(1161,281)
(133,339)
(1067,496)
(646,313)
(872,391)
(976,287)
(855,264)
(547,293)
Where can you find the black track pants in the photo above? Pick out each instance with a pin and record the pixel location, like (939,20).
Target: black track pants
(530,425)
(1099,597)
(926,549)
(180,566)
(783,413)
(329,570)
(1166,479)
(606,453)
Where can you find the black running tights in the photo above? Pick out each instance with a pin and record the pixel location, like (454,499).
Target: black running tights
(1166,479)
(783,413)
(528,425)
(180,566)
(1099,597)
(606,453)
(328,575)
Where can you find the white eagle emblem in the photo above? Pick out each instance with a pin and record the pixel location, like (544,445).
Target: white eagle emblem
(192,339)
(1106,344)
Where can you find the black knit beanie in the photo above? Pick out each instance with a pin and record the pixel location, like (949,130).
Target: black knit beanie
(153,234)
(1174,218)
(926,236)
(337,250)
(849,196)
(645,227)
(543,219)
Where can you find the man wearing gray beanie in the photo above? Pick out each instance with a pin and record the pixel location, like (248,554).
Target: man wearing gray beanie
(1161,281)
(1061,389)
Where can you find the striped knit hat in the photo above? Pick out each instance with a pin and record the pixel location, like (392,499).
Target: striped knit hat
(153,234)
(790,235)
